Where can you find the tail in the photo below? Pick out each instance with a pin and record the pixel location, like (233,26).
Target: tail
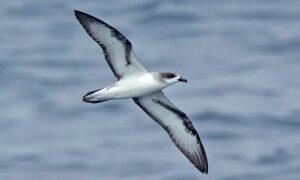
(94,97)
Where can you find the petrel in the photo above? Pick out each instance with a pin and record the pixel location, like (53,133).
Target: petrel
(144,87)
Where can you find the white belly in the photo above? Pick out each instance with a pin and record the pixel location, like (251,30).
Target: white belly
(134,86)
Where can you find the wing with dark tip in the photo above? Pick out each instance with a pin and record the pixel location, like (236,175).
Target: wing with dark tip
(178,126)
(117,48)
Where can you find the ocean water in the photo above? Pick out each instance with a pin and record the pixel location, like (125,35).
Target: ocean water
(242,60)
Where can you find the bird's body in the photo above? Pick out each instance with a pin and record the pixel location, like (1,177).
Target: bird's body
(133,86)
(145,88)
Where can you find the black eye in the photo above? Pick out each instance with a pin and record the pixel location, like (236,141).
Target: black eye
(168,75)
(171,76)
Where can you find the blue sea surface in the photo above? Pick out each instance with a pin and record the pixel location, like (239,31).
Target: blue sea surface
(241,58)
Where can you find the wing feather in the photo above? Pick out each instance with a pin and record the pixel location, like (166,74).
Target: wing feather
(177,125)
(117,49)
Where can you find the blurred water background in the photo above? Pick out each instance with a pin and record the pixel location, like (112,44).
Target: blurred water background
(242,60)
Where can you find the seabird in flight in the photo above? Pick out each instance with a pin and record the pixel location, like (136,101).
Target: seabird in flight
(144,87)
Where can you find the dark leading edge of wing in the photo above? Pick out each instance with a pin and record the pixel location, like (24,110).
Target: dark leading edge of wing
(117,48)
(177,125)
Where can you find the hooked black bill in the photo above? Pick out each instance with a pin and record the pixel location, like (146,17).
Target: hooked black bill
(182,80)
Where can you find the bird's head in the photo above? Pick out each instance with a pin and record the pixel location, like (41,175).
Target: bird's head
(171,78)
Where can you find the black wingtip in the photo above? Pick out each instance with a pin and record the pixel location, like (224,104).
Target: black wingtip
(85,19)
(203,168)
(76,12)
(80,14)
(199,161)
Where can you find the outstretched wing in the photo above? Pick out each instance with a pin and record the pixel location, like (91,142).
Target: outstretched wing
(117,48)
(178,126)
